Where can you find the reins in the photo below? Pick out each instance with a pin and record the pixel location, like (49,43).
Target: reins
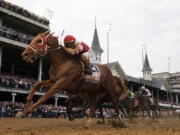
(54,49)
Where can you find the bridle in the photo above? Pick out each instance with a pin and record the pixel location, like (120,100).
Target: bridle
(44,47)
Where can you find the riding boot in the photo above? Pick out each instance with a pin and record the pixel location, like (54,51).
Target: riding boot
(87,65)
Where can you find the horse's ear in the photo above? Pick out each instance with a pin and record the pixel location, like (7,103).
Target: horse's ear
(51,34)
(46,33)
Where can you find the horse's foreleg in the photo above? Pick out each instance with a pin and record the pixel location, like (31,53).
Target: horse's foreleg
(158,108)
(124,112)
(101,113)
(54,89)
(148,111)
(45,83)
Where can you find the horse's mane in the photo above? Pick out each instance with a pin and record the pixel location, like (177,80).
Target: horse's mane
(68,56)
(55,43)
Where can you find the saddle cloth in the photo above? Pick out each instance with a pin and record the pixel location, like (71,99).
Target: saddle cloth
(95,77)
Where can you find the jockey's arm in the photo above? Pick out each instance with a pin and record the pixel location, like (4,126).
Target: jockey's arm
(70,51)
(78,47)
(74,51)
(148,93)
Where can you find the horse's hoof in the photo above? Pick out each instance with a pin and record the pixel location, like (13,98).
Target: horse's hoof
(20,115)
(101,122)
(86,127)
(71,118)
(88,123)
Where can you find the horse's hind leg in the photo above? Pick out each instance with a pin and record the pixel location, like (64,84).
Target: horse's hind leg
(69,106)
(71,102)
(157,114)
(116,107)
(92,107)
(101,113)
(149,113)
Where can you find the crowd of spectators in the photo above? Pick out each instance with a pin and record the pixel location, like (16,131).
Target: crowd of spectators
(23,12)
(9,109)
(17,82)
(49,111)
(14,35)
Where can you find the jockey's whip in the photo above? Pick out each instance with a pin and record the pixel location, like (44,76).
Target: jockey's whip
(61,36)
(62,33)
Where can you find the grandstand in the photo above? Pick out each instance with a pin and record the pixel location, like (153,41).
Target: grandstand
(17,27)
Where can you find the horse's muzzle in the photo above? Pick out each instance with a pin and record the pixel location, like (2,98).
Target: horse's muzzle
(28,57)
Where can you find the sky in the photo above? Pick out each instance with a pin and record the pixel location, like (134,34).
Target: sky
(136,26)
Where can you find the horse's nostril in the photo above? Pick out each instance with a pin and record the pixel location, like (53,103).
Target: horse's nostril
(23,54)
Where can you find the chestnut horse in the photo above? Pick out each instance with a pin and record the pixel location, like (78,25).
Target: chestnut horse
(65,74)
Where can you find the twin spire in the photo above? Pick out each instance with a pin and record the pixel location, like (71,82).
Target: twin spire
(146,65)
(95,43)
(147,69)
(96,48)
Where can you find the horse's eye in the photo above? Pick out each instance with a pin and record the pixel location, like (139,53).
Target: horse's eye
(39,41)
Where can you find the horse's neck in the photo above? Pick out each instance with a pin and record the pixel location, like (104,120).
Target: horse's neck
(55,58)
(59,57)
(140,96)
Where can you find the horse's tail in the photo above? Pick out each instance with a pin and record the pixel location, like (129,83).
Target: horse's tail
(121,86)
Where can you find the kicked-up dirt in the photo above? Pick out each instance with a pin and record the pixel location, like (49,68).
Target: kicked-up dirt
(60,126)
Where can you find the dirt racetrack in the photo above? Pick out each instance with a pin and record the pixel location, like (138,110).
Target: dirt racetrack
(59,126)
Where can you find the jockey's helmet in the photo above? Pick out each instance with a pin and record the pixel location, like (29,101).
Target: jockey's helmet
(142,87)
(69,39)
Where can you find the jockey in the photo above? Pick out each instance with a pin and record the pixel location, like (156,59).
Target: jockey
(74,47)
(146,92)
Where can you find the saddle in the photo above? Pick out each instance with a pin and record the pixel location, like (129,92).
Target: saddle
(95,77)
